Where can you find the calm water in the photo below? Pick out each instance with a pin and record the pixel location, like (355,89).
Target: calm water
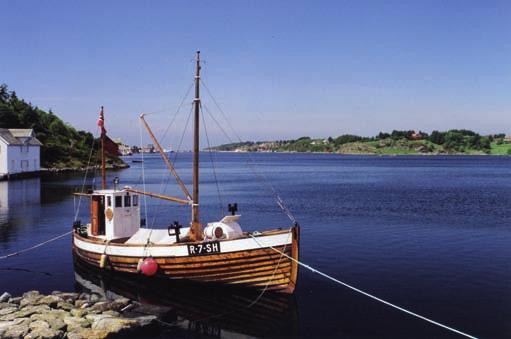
(428,233)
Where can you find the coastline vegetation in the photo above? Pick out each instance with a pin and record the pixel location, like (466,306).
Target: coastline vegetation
(63,147)
(455,141)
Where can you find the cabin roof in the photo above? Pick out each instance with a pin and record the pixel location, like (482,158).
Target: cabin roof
(19,136)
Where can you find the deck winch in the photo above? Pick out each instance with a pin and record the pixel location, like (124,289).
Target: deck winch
(227,228)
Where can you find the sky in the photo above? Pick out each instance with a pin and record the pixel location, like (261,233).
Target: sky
(277,69)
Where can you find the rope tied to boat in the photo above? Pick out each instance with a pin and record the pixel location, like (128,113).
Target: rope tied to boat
(35,246)
(353,288)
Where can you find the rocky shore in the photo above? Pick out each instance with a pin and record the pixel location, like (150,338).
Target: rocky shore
(72,315)
(43,172)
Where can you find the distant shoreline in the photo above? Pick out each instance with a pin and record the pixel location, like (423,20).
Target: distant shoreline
(375,154)
(43,172)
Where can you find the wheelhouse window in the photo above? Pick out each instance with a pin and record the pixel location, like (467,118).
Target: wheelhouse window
(135,200)
(108,201)
(127,201)
(118,201)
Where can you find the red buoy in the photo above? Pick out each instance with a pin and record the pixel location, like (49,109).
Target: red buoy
(149,267)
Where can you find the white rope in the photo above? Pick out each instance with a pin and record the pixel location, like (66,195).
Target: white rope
(35,246)
(312,269)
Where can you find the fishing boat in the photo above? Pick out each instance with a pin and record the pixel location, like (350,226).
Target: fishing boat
(215,252)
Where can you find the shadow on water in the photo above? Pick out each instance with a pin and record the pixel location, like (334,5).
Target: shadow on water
(195,310)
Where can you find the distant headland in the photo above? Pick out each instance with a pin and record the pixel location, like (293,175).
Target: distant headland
(455,141)
(63,148)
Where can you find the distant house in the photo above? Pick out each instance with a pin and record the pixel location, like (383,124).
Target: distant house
(417,135)
(123,149)
(20,151)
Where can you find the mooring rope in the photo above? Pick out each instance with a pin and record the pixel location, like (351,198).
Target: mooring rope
(35,246)
(312,269)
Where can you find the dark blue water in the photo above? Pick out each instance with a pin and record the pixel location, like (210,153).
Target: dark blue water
(431,234)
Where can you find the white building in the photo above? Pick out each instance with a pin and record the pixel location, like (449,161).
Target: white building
(20,151)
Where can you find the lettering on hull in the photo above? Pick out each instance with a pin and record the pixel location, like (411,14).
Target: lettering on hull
(204,248)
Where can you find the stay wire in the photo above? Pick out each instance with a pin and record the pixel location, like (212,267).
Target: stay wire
(158,207)
(143,171)
(177,111)
(77,210)
(165,180)
(212,164)
(262,178)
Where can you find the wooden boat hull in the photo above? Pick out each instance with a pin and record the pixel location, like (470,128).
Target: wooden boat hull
(245,262)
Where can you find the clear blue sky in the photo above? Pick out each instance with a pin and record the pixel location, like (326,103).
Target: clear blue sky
(279,69)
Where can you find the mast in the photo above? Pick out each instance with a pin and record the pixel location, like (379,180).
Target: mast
(196,227)
(103,162)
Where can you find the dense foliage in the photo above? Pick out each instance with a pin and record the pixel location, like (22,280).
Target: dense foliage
(63,145)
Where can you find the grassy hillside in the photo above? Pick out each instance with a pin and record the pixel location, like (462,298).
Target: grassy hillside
(395,143)
(63,145)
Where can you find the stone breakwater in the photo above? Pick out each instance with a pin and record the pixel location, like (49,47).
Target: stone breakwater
(71,315)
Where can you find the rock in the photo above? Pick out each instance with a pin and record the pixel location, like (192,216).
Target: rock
(94,297)
(148,320)
(81,302)
(96,317)
(31,294)
(44,333)
(78,312)
(119,303)
(75,322)
(87,333)
(114,324)
(26,311)
(65,306)
(84,296)
(55,318)
(112,313)
(68,315)
(8,310)
(7,304)
(15,300)
(16,331)
(50,300)
(102,306)
(30,298)
(4,325)
(67,296)
(5,297)
(38,324)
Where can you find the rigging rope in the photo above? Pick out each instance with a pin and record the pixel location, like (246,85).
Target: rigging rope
(143,171)
(258,174)
(77,209)
(165,180)
(312,269)
(212,164)
(163,189)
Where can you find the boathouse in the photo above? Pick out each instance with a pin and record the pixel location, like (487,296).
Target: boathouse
(20,151)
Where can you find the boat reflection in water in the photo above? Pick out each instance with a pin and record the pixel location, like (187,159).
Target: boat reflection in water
(195,309)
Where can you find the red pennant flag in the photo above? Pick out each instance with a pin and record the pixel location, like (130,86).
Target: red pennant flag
(111,147)
(101,121)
